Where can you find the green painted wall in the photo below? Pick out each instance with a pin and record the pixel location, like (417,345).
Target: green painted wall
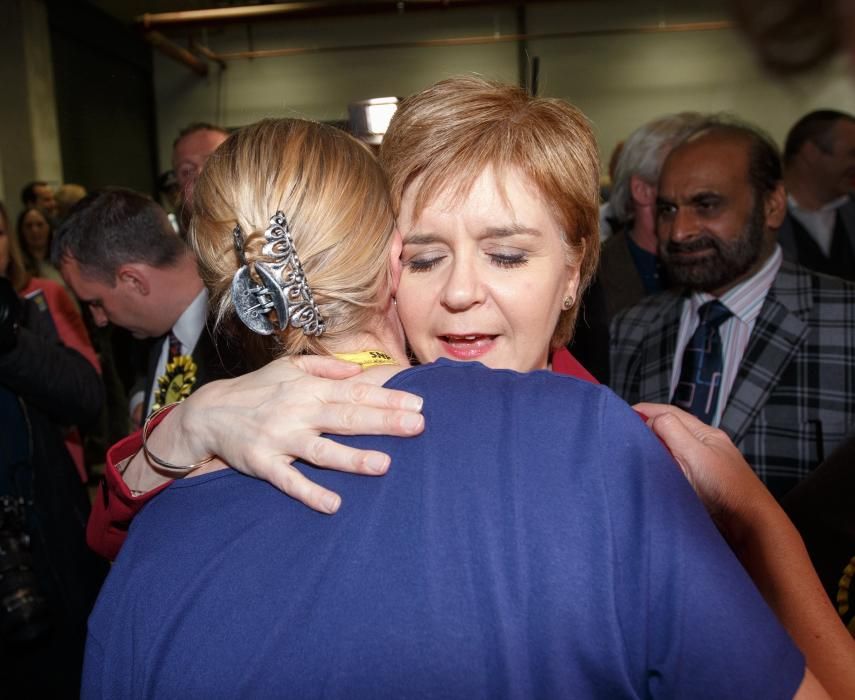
(619,81)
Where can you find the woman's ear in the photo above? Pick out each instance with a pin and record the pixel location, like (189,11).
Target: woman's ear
(573,274)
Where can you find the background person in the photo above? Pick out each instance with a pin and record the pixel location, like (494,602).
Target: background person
(50,578)
(51,300)
(67,196)
(745,340)
(49,295)
(630,267)
(190,150)
(119,253)
(40,195)
(35,233)
(819,171)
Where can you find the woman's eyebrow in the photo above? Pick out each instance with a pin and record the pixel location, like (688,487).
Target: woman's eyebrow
(421,238)
(489,232)
(510,230)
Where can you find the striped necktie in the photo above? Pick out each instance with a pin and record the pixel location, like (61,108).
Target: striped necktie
(174,347)
(700,374)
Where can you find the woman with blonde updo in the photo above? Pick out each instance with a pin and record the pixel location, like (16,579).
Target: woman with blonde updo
(349,272)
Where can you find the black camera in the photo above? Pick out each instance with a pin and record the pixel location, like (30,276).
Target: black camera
(24,613)
(10,314)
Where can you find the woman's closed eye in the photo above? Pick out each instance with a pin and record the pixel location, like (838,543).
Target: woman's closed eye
(509,260)
(427,261)
(423,262)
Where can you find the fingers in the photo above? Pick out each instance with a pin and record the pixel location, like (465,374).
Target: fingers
(327,453)
(674,432)
(355,419)
(366,394)
(323,452)
(653,410)
(289,480)
(362,389)
(684,436)
(327,367)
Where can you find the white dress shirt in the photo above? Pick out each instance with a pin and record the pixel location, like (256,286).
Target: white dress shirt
(819,223)
(187,329)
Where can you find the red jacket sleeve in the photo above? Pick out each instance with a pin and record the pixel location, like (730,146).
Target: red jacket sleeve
(69,323)
(114,506)
(563,362)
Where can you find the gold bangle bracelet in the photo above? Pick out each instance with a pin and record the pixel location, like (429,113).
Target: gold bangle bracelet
(170,469)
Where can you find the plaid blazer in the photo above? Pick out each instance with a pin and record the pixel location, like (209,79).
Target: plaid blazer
(793,400)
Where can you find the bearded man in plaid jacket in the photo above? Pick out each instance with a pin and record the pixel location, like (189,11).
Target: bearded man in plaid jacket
(785,393)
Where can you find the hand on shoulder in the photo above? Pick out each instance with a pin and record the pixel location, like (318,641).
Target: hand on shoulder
(715,468)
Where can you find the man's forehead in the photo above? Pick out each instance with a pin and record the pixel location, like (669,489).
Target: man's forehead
(79,277)
(709,160)
(197,144)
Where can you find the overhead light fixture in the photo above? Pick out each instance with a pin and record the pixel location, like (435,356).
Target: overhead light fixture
(369,119)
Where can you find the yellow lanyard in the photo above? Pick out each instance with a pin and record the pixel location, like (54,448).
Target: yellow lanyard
(367,358)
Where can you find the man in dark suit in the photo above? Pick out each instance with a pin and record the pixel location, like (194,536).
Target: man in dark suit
(778,356)
(119,253)
(819,162)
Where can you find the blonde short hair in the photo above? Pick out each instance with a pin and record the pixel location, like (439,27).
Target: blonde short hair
(449,133)
(333,194)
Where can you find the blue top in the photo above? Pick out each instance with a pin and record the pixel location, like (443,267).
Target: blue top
(535,541)
(649,267)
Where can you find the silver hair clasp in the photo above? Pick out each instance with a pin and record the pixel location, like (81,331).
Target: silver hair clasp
(283,287)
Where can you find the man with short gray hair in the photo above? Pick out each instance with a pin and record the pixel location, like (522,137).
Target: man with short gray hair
(629,264)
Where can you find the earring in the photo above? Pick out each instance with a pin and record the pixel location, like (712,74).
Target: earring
(568,302)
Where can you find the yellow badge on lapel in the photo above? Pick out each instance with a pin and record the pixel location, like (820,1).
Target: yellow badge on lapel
(845,608)
(176,383)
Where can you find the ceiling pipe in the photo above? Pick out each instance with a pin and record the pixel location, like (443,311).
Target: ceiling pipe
(258,13)
(204,51)
(475,40)
(176,52)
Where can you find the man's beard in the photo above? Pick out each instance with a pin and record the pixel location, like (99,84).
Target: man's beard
(729,260)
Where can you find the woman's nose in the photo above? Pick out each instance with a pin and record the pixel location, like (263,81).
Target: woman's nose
(463,286)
